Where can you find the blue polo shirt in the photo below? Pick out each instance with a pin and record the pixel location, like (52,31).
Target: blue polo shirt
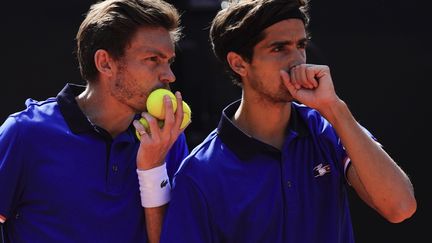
(234,188)
(63,179)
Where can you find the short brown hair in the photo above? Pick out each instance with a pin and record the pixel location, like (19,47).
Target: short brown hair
(239,27)
(111,24)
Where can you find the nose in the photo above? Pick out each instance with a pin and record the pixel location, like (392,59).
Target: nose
(167,75)
(298,57)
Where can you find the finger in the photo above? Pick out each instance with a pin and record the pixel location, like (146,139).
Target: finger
(153,126)
(301,73)
(169,113)
(310,73)
(179,113)
(294,77)
(309,76)
(320,71)
(288,82)
(285,77)
(139,128)
(143,113)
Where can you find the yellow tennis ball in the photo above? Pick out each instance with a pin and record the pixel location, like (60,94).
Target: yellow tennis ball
(187,114)
(155,104)
(146,126)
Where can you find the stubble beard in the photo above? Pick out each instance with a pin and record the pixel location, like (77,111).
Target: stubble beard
(126,94)
(281,95)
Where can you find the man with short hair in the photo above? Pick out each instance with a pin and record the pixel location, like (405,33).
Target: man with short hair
(68,164)
(279,165)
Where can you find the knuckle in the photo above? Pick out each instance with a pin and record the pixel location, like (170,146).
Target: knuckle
(165,140)
(169,122)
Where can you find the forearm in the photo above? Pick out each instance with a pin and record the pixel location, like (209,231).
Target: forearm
(154,219)
(377,178)
(388,187)
(155,194)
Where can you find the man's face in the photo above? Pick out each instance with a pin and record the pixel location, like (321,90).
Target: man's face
(282,48)
(144,67)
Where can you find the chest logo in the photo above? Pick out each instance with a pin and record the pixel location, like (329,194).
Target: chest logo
(321,170)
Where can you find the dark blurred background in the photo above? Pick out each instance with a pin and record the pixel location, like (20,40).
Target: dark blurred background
(379,53)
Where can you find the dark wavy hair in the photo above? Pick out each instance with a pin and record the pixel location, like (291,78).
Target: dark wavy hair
(239,26)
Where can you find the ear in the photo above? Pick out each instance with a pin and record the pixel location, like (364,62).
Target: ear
(237,63)
(103,62)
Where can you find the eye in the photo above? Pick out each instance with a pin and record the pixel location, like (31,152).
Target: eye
(171,61)
(302,45)
(153,58)
(278,48)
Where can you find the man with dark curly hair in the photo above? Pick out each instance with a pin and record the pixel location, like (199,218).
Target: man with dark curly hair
(279,165)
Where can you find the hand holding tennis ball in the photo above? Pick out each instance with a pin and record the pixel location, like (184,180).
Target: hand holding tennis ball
(155,107)
(146,126)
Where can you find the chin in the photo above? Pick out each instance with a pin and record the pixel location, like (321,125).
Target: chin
(284,97)
(139,108)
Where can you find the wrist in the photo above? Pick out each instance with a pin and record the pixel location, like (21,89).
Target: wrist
(332,110)
(146,166)
(154,186)
(337,113)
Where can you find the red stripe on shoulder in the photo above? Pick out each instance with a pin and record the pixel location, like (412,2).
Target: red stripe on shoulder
(2,219)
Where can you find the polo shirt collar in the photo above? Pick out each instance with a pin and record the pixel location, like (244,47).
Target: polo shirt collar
(70,110)
(247,147)
(78,122)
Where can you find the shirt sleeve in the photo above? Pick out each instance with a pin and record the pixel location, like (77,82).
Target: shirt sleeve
(10,167)
(187,218)
(347,160)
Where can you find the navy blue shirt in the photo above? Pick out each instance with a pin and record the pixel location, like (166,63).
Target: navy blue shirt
(234,188)
(63,179)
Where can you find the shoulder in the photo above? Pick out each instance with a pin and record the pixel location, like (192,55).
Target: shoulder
(200,163)
(36,111)
(37,116)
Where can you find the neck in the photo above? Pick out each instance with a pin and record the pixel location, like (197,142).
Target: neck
(103,110)
(263,120)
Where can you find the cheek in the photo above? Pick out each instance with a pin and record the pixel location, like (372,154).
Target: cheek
(304,55)
(141,68)
(140,75)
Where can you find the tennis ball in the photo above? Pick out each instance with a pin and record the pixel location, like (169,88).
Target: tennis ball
(187,113)
(146,126)
(155,104)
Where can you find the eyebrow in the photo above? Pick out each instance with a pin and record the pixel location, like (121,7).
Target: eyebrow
(158,53)
(287,42)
